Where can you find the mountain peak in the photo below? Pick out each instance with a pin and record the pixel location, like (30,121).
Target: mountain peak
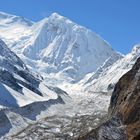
(64,47)
(57,18)
(56,15)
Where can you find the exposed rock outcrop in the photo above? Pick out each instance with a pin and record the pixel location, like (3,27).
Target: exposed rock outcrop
(123,121)
(125,101)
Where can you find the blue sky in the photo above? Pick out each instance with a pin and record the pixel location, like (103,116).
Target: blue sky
(117,21)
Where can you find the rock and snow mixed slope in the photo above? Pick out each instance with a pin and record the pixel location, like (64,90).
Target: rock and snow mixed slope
(18,86)
(23,95)
(56,46)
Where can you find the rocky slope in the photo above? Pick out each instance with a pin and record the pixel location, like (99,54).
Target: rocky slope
(125,101)
(123,121)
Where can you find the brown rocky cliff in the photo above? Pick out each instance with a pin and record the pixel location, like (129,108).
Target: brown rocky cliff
(124,112)
(125,101)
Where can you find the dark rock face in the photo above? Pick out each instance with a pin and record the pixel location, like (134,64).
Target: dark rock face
(12,66)
(125,101)
(124,112)
(7,78)
(11,58)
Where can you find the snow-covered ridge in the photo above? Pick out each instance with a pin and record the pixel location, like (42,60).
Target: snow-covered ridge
(58,47)
(11,19)
(107,79)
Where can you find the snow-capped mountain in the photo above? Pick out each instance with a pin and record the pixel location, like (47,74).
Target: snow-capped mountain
(19,86)
(56,46)
(105,79)
(60,50)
